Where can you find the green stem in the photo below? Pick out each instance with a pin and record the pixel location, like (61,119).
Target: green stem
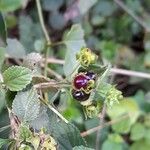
(42,22)
(55,111)
(48,41)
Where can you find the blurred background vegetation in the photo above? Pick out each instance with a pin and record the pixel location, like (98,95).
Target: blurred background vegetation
(114,33)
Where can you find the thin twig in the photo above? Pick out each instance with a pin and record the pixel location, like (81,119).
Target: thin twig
(42,22)
(131,13)
(112,70)
(92,130)
(55,111)
(130,73)
(101,121)
(45,33)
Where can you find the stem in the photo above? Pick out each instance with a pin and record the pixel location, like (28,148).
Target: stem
(45,33)
(55,111)
(92,130)
(131,13)
(42,22)
(101,121)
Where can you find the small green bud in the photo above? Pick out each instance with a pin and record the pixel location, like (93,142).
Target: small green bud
(86,57)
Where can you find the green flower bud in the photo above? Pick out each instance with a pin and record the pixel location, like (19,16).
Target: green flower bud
(86,57)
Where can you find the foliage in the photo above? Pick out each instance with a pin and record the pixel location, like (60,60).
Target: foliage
(36,91)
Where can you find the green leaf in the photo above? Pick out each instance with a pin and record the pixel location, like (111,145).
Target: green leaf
(2,56)
(87,5)
(41,121)
(140,145)
(51,5)
(114,142)
(26,27)
(26,105)
(16,77)
(138,131)
(126,107)
(82,148)
(66,135)
(110,145)
(15,49)
(74,41)
(2,100)
(3,31)
(4,141)
(10,5)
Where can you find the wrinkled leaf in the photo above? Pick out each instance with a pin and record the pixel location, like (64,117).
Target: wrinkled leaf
(16,77)
(66,135)
(26,105)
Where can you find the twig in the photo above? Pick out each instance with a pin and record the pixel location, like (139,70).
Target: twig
(92,130)
(130,73)
(55,61)
(42,22)
(101,121)
(55,111)
(54,73)
(45,33)
(131,13)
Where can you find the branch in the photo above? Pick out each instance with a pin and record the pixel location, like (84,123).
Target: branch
(130,73)
(101,121)
(131,13)
(42,22)
(92,130)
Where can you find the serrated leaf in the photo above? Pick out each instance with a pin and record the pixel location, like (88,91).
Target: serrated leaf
(10,5)
(66,135)
(16,77)
(15,49)
(3,31)
(74,41)
(82,148)
(42,121)
(126,107)
(26,105)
